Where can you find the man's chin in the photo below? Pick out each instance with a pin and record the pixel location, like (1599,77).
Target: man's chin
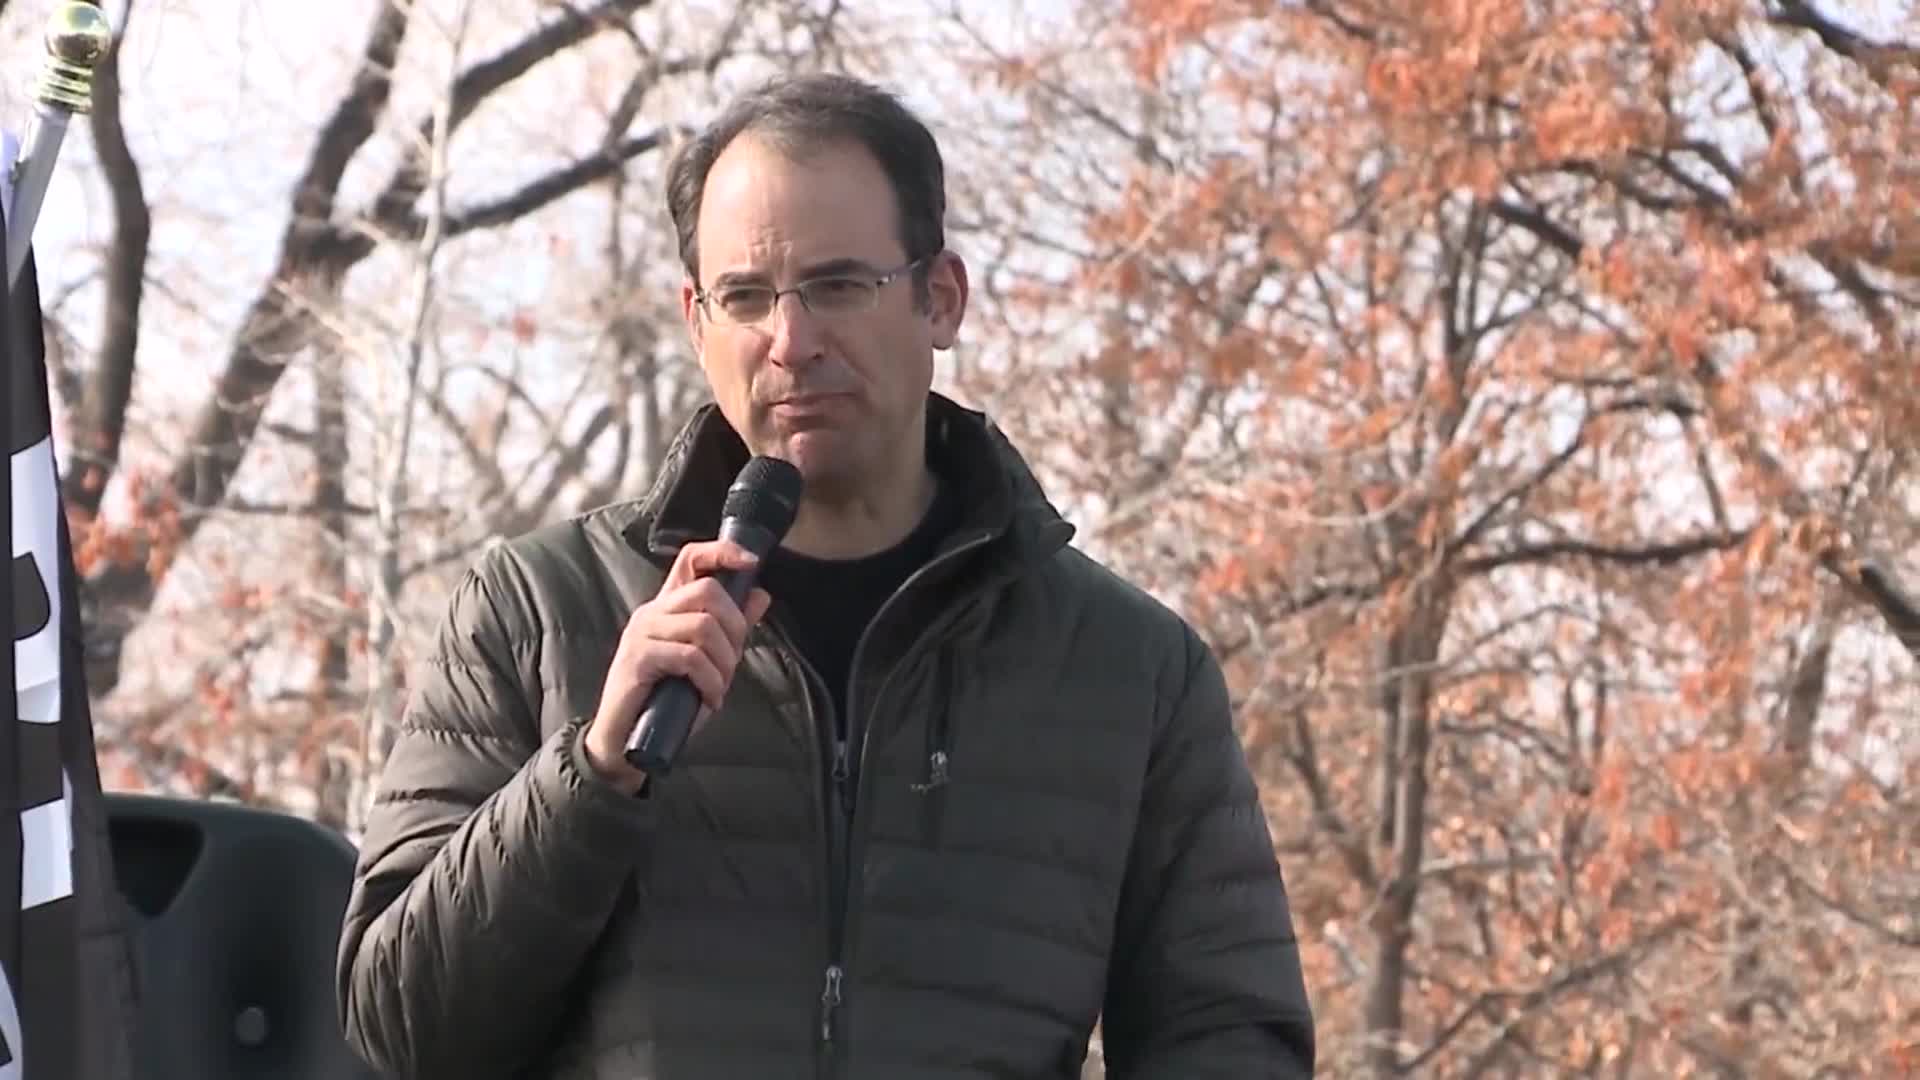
(826,457)
(815,449)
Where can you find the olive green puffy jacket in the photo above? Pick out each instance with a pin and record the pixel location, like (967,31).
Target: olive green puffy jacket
(1043,817)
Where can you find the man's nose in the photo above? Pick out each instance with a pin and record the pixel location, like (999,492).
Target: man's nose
(795,333)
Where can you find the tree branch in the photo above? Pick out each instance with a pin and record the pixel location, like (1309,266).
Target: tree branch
(1514,495)
(346,131)
(1877,586)
(110,387)
(543,190)
(566,469)
(1663,554)
(1806,690)
(1875,57)
(120,594)
(316,255)
(1305,759)
(1346,24)
(1407,706)
(314,508)
(1904,939)
(409,179)
(1527,1002)
(1536,221)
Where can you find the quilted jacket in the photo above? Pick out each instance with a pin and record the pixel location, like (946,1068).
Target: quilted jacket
(1041,817)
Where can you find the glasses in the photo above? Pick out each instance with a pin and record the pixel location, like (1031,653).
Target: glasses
(830,294)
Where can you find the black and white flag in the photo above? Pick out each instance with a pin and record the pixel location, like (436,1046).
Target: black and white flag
(47,754)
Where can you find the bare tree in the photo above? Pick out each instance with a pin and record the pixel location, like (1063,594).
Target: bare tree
(265,556)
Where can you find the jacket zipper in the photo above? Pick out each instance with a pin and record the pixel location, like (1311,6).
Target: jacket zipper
(846,781)
(829,1002)
(843,757)
(833,753)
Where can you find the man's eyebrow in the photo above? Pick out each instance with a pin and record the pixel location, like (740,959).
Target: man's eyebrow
(739,277)
(833,267)
(826,268)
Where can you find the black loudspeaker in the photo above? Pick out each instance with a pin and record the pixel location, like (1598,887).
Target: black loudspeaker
(236,914)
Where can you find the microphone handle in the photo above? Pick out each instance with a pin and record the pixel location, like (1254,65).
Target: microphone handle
(663,727)
(667,718)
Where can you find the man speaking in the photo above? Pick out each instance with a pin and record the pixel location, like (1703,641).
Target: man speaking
(952,790)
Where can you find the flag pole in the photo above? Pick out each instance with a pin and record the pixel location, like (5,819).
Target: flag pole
(77,38)
(63,1004)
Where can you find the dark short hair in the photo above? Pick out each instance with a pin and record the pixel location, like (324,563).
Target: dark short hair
(802,113)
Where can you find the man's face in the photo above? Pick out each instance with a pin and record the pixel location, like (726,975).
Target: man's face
(839,393)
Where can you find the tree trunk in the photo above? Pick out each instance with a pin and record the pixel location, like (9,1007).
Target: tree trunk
(1410,655)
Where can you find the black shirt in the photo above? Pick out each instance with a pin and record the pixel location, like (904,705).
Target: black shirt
(825,604)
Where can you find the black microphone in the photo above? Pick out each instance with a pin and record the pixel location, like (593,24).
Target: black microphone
(759,509)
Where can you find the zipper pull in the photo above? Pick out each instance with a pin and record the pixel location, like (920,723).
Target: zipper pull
(842,775)
(829,1001)
(936,773)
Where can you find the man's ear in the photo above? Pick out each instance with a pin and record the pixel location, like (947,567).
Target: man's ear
(947,289)
(690,312)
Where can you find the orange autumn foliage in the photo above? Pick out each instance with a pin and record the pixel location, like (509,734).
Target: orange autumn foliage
(1522,398)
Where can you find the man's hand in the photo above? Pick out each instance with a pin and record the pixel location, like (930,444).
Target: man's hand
(692,628)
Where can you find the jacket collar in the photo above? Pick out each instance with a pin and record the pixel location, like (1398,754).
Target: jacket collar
(1003,499)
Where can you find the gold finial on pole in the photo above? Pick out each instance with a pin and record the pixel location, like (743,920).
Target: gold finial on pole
(77,38)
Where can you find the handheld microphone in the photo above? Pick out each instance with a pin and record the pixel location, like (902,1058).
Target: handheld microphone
(759,509)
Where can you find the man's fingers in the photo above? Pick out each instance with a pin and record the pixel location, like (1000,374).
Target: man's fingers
(758,601)
(679,658)
(704,597)
(701,559)
(692,628)
(703,629)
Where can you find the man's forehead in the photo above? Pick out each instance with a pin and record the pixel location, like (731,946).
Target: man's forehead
(762,205)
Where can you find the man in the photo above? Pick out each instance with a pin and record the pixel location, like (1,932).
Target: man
(956,791)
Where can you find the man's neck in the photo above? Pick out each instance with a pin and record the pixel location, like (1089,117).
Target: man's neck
(865,525)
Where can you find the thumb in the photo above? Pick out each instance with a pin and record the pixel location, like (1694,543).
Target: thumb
(708,557)
(758,601)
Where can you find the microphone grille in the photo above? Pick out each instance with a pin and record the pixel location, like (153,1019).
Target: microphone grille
(767,493)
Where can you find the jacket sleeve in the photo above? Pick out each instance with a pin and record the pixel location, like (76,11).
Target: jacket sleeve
(491,859)
(1206,980)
